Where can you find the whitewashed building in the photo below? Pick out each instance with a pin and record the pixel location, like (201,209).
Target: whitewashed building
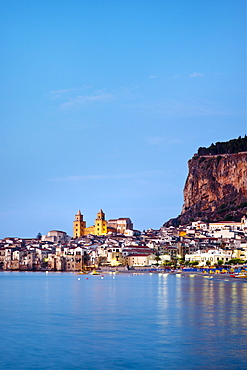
(212,255)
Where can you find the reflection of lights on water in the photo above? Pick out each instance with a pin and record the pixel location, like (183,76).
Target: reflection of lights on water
(161,275)
(169,301)
(211,303)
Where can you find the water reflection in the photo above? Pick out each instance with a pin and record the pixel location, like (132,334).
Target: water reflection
(200,314)
(147,321)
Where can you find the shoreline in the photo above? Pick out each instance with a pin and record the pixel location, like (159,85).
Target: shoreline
(178,273)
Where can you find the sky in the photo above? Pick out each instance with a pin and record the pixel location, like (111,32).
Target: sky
(104,102)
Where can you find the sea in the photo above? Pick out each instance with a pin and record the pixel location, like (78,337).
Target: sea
(121,321)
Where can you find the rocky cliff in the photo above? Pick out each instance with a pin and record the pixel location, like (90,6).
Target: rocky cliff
(215,189)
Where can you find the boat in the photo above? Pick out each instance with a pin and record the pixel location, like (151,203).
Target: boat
(94,272)
(240,275)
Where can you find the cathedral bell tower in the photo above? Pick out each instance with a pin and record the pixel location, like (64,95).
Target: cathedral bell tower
(100,215)
(100,225)
(78,225)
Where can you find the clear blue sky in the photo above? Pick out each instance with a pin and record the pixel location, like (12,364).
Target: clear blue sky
(103,103)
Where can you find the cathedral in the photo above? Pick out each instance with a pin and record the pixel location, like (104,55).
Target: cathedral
(101,226)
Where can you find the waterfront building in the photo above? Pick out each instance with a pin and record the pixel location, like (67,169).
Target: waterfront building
(138,259)
(213,256)
(115,257)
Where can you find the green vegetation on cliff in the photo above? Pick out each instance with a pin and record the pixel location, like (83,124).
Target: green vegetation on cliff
(227,147)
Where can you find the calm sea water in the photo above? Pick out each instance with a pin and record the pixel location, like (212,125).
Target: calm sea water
(55,321)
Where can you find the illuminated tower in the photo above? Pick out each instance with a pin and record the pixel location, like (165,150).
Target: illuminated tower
(78,225)
(100,226)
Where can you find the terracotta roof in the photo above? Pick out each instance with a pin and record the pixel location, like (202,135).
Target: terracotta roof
(138,255)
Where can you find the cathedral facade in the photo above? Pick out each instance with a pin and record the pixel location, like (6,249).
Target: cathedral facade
(101,226)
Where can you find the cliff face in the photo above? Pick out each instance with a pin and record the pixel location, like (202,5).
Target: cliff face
(215,189)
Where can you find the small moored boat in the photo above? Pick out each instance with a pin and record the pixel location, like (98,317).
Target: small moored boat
(94,272)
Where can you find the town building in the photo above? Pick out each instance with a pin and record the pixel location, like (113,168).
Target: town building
(137,259)
(212,256)
(121,224)
(229,225)
(55,236)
